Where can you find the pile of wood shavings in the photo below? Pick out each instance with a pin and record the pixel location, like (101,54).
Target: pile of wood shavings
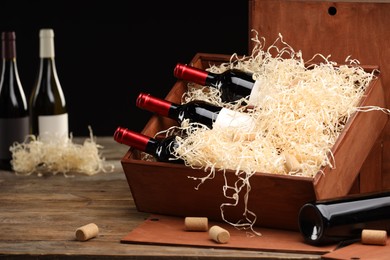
(58,155)
(302,112)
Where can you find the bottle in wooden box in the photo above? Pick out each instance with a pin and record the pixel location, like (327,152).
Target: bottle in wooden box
(233,84)
(196,111)
(162,150)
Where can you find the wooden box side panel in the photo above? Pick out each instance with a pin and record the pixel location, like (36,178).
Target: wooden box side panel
(274,200)
(338,28)
(353,146)
(371,177)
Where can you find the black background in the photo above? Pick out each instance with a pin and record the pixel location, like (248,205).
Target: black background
(107,52)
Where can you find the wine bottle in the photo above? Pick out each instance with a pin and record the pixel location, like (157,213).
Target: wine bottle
(341,219)
(48,111)
(162,150)
(196,111)
(233,84)
(14,120)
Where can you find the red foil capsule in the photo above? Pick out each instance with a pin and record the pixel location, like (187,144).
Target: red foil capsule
(150,103)
(191,74)
(131,138)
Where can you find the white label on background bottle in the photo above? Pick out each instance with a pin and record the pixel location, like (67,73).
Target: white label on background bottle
(57,124)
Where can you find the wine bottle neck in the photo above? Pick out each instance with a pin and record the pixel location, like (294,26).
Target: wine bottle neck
(47,64)
(137,140)
(8,50)
(191,74)
(160,106)
(9,67)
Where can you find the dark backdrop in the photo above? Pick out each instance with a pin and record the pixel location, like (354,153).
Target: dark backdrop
(109,51)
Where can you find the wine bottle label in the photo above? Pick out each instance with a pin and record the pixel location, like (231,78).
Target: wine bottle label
(12,130)
(53,126)
(236,119)
(256,95)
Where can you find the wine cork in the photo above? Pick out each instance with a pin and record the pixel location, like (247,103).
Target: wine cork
(219,235)
(87,232)
(292,164)
(374,237)
(196,224)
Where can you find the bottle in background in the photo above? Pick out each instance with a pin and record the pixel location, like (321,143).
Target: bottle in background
(162,150)
(14,117)
(233,84)
(48,111)
(196,111)
(340,219)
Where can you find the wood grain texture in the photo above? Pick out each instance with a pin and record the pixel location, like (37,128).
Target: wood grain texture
(358,29)
(39,217)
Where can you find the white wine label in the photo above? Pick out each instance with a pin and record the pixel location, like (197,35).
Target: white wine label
(53,126)
(231,118)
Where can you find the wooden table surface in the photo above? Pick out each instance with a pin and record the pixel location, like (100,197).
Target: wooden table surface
(39,216)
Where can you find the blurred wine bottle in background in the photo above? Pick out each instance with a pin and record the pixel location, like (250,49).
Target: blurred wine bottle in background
(48,111)
(14,120)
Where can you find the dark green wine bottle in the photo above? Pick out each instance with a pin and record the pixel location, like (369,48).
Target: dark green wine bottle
(162,150)
(48,111)
(14,120)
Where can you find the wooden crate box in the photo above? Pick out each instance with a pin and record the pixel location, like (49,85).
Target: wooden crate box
(164,188)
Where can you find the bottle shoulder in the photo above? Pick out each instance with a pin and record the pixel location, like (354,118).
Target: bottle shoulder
(47,77)
(237,73)
(10,81)
(13,101)
(200,104)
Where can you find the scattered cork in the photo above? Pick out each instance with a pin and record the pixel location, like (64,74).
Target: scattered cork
(87,232)
(219,235)
(374,237)
(196,224)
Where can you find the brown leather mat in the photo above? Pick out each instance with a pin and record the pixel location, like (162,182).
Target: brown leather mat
(361,252)
(161,229)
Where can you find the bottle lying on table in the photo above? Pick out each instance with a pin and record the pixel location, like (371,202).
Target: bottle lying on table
(340,219)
